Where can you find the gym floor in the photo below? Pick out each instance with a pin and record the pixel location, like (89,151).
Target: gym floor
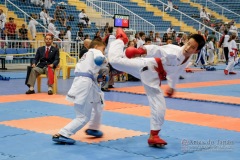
(202,121)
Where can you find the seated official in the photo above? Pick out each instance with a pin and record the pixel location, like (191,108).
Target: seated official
(46,60)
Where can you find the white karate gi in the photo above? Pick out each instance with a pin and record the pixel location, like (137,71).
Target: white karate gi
(171,56)
(47,4)
(232,47)
(67,41)
(32,27)
(43,16)
(210,51)
(86,95)
(170,5)
(52,29)
(2,20)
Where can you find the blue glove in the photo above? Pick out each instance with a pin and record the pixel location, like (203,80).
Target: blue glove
(99,60)
(101,78)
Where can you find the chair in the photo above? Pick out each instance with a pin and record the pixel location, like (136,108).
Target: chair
(67,63)
(22,50)
(11,51)
(55,84)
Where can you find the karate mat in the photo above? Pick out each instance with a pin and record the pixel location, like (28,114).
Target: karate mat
(201,122)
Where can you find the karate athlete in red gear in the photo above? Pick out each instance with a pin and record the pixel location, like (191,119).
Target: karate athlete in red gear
(160,61)
(233,50)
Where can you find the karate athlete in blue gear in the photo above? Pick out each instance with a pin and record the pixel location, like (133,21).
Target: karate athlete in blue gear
(86,95)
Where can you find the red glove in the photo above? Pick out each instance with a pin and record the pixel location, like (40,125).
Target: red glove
(132,52)
(231,54)
(120,34)
(169,92)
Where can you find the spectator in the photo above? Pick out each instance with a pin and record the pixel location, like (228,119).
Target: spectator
(52,29)
(222,28)
(210,51)
(10,29)
(2,19)
(157,39)
(32,27)
(165,36)
(83,19)
(87,36)
(141,40)
(183,40)
(36,2)
(169,41)
(136,39)
(97,36)
(170,5)
(49,18)
(80,36)
(60,15)
(170,29)
(151,36)
(67,40)
(61,35)
(131,44)
(86,44)
(148,41)
(105,28)
(204,16)
(43,16)
(23,33)
(225,46)
(174,38)
(233,29)
(47,4)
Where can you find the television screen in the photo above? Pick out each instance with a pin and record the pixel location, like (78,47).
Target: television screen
(121,20)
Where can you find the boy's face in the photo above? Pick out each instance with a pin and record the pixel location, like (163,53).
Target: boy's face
(100,48)
(190,48)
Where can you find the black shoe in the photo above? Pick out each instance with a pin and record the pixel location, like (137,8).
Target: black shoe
(105,90)
(110,86)
(50,92)
(30,92)
(181,77)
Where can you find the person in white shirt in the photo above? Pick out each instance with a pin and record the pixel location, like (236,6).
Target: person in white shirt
(2,19)
(161,61)
(43,16)
(233,51)
(170,29)
(37,2)
(47,4)
(204,16)
(86,95)
(67,40)
(210,50)
(170,5)
(52,29)
(32,27)
(234,29)
(141,40)
(83,18)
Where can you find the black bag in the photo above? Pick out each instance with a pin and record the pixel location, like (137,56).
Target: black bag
(29,69)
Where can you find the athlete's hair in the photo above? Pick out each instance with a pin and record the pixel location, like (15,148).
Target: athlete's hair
(96,42)
(199,39)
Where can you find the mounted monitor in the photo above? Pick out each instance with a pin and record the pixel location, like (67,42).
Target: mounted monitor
(121,20)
